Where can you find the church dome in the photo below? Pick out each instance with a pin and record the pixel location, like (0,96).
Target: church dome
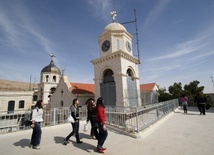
(51,68)
(115,26)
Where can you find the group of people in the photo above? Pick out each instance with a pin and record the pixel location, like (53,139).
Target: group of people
(199,99)
(96,116)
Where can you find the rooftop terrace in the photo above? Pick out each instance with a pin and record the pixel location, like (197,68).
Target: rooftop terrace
(175,134)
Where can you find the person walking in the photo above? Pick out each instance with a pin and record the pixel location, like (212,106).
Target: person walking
(184,100)
(101,121)
(201,101)
(37,115)
(75,114)
(91,116)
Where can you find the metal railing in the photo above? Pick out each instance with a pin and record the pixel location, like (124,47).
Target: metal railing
(130,119)
(135,119)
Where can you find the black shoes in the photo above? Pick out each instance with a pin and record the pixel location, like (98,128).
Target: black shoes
(65,142)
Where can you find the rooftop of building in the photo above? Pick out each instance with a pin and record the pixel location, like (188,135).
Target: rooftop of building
(175,134)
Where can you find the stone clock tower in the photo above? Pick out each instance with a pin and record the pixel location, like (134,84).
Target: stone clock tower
(116,73)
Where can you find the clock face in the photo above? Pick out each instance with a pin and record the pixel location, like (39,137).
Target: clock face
(128,46)
(106,45)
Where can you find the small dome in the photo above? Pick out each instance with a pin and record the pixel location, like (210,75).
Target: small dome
(115,26)
(51,68)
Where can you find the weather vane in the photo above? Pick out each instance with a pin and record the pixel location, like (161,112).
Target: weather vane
(113,15)
(52,56)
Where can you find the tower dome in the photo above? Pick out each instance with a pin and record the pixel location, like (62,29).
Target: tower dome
(51,68)
(114,26)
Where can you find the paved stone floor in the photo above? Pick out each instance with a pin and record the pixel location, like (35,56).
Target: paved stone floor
(176,134)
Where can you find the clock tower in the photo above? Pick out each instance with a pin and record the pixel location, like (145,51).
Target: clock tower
(116,73)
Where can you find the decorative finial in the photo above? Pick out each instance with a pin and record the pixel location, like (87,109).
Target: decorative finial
(52,56)
(113,15)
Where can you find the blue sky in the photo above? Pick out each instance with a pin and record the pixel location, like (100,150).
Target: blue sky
(176,38)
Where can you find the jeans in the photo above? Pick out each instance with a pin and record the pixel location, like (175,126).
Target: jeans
(102,135)
(185,106)
(75,131)
(36,135)
(93,126)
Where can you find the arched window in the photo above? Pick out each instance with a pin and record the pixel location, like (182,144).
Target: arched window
(21,104)
(61,103)
(108,76)
(130,74)
(35,97)
(11,105)
(47,78)
(62,93)
(54,78)
(52,90)
(132,96)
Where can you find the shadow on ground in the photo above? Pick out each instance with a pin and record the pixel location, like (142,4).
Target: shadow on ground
(22,143)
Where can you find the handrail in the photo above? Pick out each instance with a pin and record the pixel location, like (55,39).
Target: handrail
(130,119)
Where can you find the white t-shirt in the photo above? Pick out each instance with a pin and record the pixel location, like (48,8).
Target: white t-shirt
(37,115)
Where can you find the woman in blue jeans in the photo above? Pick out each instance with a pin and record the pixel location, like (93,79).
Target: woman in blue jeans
(101,122)
(75,125)
(36,120)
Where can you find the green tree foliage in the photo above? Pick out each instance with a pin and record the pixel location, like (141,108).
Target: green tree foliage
(163,95)
(192,88)
(176,90)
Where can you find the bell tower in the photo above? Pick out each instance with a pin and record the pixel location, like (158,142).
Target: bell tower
(49,79)
(116,73)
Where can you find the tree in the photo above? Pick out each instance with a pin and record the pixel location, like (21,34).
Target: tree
(193,88)
(163,95)
(176,90)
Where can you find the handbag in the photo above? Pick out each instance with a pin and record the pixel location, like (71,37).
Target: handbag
(27,119)
(208,106)
(70,119)
(86,127)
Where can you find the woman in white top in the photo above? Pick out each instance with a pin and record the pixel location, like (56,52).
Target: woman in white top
(36,120)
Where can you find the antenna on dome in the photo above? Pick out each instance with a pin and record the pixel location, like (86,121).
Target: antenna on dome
(212,80)
(136,34)
(63,71)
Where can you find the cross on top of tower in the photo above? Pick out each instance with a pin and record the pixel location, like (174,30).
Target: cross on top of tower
(113,15)
(52,56)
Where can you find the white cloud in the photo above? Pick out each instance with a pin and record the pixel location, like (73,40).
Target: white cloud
(101,8)
(156,12)
(185,48)
(9,29)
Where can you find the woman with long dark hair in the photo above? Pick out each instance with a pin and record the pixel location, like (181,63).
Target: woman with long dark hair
(101,121)
(91,109)
(75,114)
(36,120)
